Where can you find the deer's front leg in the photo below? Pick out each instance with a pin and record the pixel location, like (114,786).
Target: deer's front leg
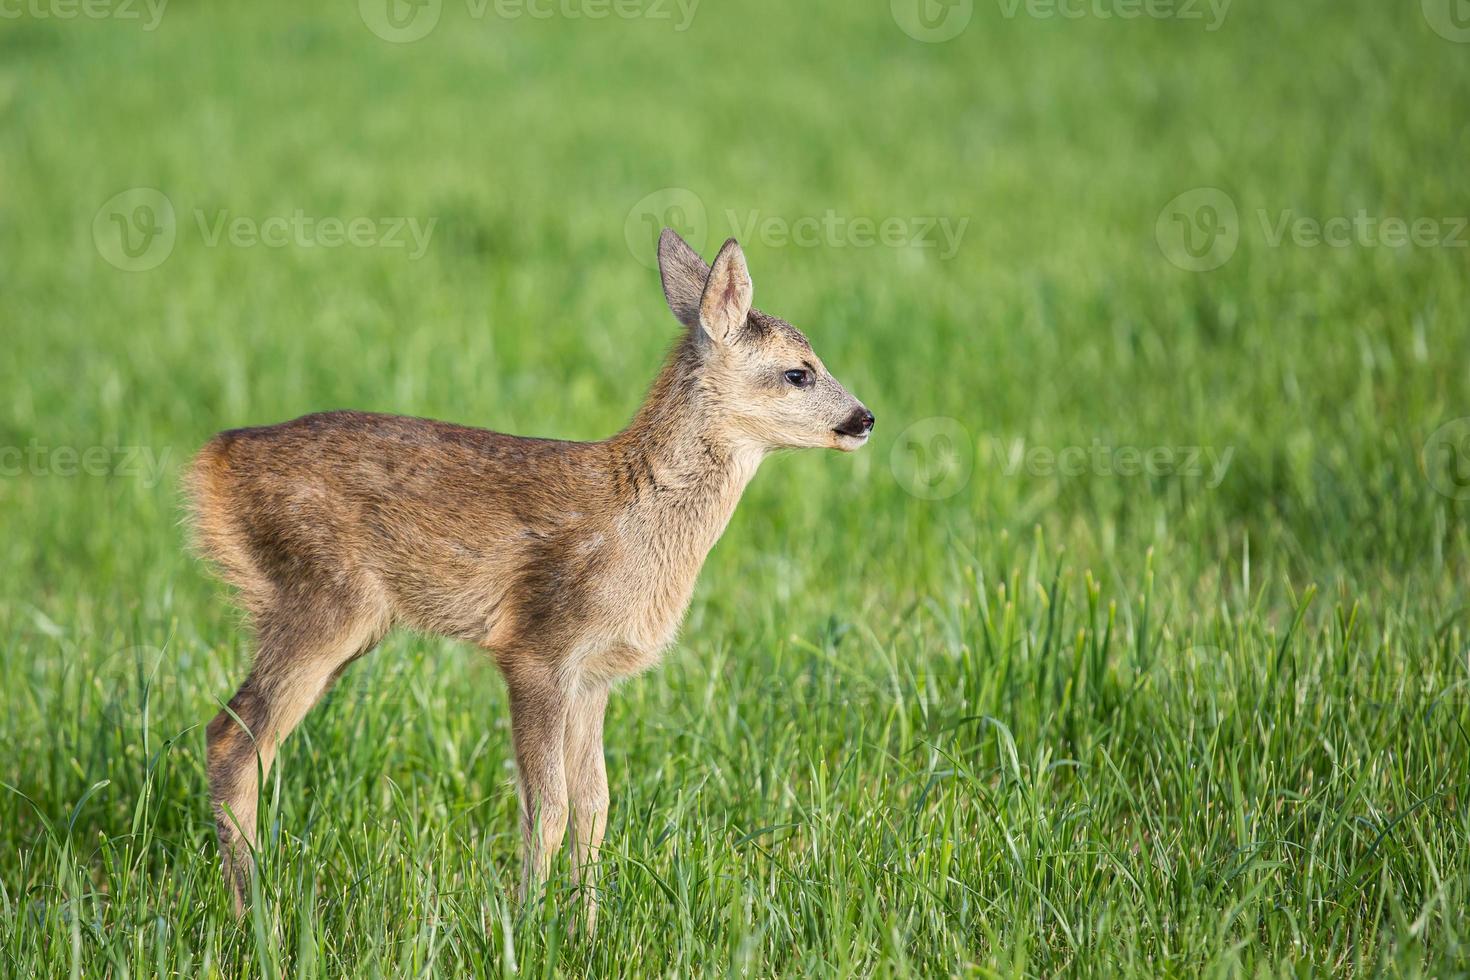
(538,710)
(586,776)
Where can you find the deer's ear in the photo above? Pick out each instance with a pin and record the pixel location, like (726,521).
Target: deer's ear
(684,274)
(728,294)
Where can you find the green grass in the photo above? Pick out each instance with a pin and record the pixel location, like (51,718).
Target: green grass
(1158,724)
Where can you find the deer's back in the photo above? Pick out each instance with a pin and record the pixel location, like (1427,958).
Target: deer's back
(436,522)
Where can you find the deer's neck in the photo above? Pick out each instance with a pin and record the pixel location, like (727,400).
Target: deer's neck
(680,467)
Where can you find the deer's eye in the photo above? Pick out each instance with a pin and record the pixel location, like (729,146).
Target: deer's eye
(799,378)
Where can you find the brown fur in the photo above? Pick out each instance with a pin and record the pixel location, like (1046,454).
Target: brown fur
(572,563)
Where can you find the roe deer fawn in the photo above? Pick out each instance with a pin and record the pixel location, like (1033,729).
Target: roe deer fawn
(571,563)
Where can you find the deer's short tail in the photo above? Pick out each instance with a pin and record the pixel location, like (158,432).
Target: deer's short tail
(214,498)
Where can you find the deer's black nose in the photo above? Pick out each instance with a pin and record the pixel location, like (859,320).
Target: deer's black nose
(859,423)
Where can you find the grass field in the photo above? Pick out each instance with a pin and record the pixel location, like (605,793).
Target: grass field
(1136,641)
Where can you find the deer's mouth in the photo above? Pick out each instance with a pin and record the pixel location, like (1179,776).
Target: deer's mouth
(853,432)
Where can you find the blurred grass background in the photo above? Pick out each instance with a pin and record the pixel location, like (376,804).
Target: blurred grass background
(900,734)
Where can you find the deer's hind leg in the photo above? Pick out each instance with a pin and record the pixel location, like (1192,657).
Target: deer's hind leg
(302,644)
